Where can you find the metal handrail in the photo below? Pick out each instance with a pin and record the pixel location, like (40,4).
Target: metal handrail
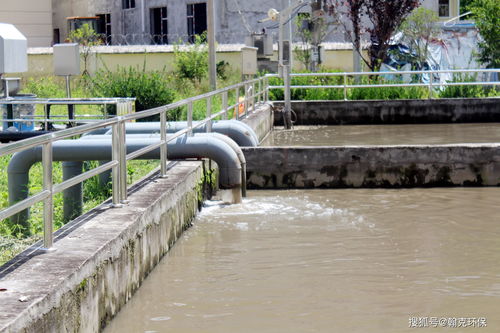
(119,155)
(346,85)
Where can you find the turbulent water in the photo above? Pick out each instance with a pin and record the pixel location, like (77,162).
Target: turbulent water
(330,261)
(385,135)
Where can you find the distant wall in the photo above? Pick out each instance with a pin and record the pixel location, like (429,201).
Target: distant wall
(376,166)
(159,57)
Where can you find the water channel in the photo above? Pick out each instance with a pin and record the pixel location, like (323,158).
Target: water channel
(385,134)
(329,261)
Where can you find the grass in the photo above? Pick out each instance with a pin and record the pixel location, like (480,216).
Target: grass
(12,241)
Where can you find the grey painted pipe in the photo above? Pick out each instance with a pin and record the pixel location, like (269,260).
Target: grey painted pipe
(87,150)
(240,132)
(72,197)
(106,176)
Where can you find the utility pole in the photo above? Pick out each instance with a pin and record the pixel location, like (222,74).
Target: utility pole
(284,63)
(212,66)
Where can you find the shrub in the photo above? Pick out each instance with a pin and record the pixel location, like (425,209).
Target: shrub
(462,91)
(192,63)
(149,88)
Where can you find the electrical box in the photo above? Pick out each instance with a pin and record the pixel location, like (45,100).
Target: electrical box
(67,59)
(249,60)
(13,50)
(263,42)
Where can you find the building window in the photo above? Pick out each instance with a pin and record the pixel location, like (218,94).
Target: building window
(126,4)
(159,25)
(104,27)
(196,19)
(444,8)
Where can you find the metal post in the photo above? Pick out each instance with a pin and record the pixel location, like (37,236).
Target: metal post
(163,148)
(68,86)
(253,96)
(430,84)
(115,151)
(123,161)
(224,105)
(288,104)
(237,108)
(345,87)
(211,45)
(259,94)
(209,114)
(266,87)
(190,118)
(48,208)
(246,101)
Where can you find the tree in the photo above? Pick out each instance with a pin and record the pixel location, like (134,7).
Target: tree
(419,29)
(312,31)
(486,14)
(87,38)
(384,18)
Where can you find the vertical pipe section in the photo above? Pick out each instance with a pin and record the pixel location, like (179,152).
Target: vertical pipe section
(48,209)
(72,197)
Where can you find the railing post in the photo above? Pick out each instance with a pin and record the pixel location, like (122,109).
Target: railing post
(209,114)
(246,101)
(266,89)
(237,108)
(345,86)
(430,84)
(123,162)
(253,96)
(224,104)
(163,148)
(48,208)
(190,118)
(259,95)
(115,151)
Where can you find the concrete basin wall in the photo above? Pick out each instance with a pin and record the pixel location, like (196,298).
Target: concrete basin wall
(444,110)
(376,166)
(100,259)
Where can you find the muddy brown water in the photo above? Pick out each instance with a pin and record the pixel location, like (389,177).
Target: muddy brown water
(385,135)
(329,261)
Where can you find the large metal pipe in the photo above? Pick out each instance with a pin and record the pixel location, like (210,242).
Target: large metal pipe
(87,150)
(105,177)
(240,132)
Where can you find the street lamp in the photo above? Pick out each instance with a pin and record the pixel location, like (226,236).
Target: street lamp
(284,50)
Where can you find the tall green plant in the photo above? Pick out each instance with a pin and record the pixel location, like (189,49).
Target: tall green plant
(191,62)
(87,38)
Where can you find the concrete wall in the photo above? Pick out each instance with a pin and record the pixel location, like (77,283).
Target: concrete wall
(445,110)
(376,166)
(32,18)
(40,61)
(100,259)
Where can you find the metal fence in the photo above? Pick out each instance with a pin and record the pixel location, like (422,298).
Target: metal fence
(349,81)
(246,95)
